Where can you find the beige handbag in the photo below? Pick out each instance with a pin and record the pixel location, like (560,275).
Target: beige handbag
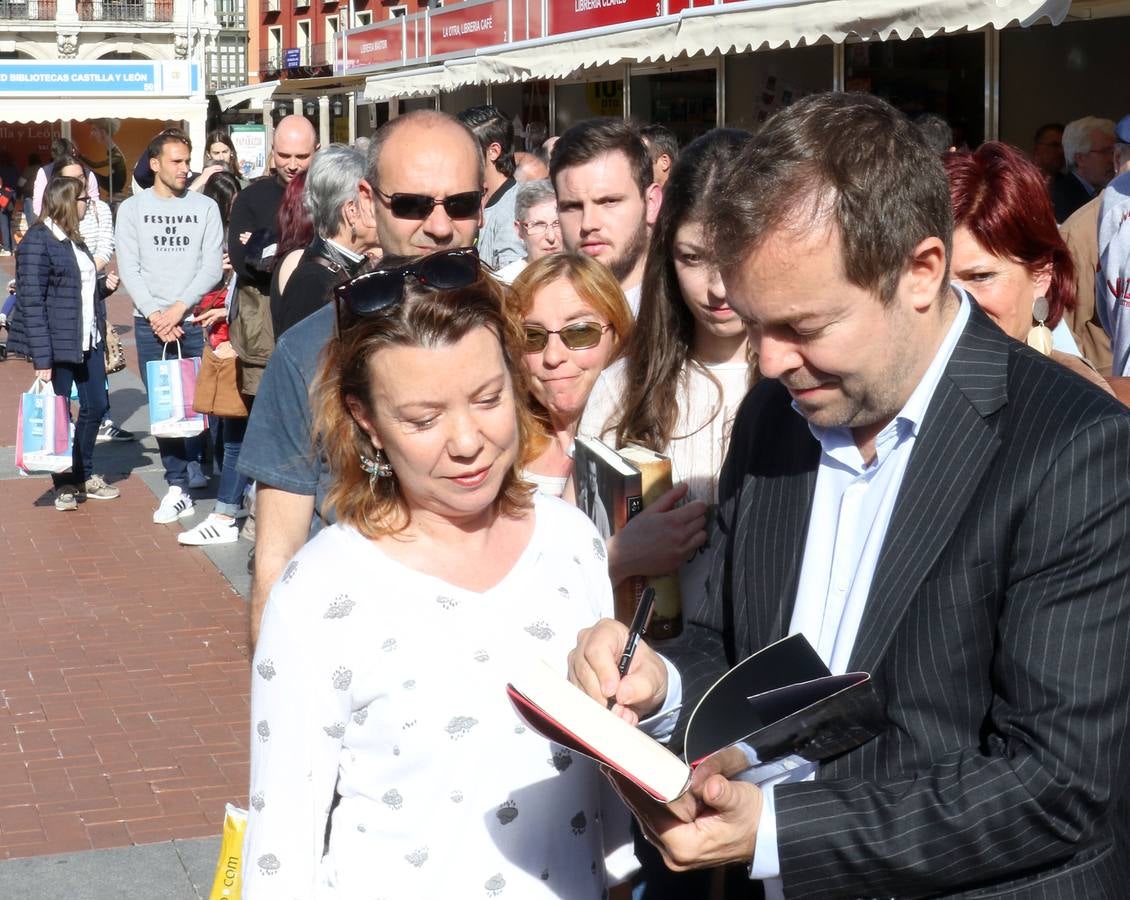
(115,354)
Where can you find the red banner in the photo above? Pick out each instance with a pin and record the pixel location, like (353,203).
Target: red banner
(580,15)
(383,43)
(467,26)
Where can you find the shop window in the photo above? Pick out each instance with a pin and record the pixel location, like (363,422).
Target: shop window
(758,84)
(682,101)
(456,101)
(940,75)
(528,102)
(577,102)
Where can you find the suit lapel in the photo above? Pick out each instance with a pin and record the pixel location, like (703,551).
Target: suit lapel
(956,445)
(777,518)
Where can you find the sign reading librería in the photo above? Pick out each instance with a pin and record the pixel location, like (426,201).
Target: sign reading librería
(467,26)
(581,15)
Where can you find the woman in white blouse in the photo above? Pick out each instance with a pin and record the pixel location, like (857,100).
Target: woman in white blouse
(576,321)
(386,646)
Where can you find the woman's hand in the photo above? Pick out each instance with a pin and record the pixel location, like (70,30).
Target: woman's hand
(227,262)
(112,282)
(43,375)
(659,539)
(211,316)
(225,350)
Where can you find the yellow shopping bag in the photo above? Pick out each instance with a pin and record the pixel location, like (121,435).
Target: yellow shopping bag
(228,883)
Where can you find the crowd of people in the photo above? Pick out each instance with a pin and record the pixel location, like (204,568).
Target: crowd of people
(886,371)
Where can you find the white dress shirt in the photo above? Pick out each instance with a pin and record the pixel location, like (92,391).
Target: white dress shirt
(851,509)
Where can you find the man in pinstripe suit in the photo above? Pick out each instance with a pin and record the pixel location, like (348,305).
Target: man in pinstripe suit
(947,511)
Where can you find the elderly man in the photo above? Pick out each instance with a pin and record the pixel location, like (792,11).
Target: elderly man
(424,190)
(923,499)
(663,147)
(607,199)
(1088,145)
(535,221)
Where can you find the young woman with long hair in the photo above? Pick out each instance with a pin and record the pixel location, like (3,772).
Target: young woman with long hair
(684,373)
(60,325)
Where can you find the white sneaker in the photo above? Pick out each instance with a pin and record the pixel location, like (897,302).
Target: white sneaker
(176,504)
(212,530)
(196,476)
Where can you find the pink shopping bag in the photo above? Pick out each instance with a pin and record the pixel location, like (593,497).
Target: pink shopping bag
(43,432)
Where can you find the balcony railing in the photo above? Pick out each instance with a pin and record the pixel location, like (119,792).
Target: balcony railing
(270,61)
(34,10)
(322,54)
(125,10)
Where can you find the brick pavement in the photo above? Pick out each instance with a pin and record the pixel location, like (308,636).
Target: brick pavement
(123,668)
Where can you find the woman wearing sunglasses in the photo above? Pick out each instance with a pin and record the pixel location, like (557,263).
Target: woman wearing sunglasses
(386,645)
(575,321)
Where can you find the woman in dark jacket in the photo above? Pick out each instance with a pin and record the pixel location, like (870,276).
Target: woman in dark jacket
(60,324)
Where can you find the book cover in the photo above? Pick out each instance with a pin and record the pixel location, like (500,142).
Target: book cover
(780,705)
(656,480)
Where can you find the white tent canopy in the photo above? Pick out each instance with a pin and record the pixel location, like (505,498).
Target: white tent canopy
(732,28)
(229,97)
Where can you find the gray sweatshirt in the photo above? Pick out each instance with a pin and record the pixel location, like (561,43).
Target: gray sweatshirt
(168,249)
(1112,282)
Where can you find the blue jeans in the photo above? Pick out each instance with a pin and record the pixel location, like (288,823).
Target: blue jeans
(30,218)
(90,378)
(6,230)
(227,436)
(175,452)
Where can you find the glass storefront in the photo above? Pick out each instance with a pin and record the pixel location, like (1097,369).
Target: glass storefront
(579,101)
(684,101)
(758,84)
(940,75)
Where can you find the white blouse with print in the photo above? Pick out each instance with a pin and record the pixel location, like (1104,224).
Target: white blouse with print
(390,685)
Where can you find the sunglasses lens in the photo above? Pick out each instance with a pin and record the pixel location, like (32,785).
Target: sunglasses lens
(463,206)
(448,271)
(410,206)
(536,339)
(581,336)
(365,295)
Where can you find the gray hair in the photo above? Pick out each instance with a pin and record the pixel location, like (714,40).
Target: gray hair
(331,182)
(1077,136)
(531,194)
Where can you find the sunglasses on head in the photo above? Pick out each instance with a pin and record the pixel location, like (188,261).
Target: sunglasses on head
(420,206)
(578,336)
(384,287)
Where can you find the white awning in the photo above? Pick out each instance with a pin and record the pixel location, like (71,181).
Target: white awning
(229,97)
(732,28)
(80,109)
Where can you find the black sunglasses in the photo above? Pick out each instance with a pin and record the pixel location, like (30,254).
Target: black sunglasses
(374,291)
(578,336)
(420,206)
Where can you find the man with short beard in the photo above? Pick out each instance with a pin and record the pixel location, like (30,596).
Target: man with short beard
(606,199)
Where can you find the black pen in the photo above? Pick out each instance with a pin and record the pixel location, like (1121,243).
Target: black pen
(640,621)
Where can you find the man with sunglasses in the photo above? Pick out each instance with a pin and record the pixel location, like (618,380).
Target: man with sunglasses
(607,202)
(424,189)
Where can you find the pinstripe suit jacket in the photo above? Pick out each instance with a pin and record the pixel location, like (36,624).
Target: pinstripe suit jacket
(997,630)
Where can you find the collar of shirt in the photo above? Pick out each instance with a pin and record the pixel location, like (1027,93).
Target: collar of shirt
(55,229)
(838,443)
(1087,186)
(344,251)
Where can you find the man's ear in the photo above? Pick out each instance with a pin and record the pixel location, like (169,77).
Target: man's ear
(653,198)
(923,276)
(494,151)
(154,164)
(367,200)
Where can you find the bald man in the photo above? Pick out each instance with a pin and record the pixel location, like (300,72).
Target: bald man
(255,210)
(427,154)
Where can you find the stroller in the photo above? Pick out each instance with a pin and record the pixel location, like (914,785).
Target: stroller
(5,312)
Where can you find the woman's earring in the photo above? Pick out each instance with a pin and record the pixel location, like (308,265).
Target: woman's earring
(1040,336)
(377,466)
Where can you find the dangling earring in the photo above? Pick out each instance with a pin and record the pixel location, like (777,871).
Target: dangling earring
(377,467)
(1040,336)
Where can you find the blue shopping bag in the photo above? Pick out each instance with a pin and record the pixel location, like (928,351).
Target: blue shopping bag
(43,432)
(172,386)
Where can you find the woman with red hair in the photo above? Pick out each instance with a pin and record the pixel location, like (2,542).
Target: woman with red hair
(1007,250)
